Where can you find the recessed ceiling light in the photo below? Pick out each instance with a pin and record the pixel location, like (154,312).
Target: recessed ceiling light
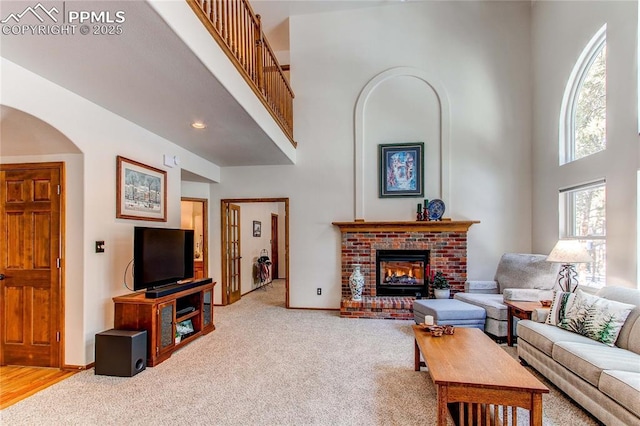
(198,125)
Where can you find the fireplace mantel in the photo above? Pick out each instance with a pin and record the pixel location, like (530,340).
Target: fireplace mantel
(446,241)
(445,225)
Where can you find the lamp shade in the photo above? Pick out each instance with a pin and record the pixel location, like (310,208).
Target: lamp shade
(569,251)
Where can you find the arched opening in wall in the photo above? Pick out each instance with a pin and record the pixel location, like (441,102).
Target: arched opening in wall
(37,159)
(401,104)
(247,238)
(402,109)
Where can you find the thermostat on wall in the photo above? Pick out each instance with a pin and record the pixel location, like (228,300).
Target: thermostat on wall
(171,160)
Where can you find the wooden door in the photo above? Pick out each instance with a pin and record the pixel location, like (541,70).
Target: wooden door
(200,223)
(274,246)
(231,243)
(30,261)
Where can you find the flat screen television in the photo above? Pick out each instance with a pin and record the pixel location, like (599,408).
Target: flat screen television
(161,256)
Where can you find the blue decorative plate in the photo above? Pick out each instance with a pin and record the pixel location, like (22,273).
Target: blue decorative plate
(436,209)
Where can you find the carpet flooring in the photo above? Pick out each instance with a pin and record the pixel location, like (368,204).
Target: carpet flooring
(266,365)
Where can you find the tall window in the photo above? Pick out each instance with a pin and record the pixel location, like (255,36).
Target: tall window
(583,121)
(585,220)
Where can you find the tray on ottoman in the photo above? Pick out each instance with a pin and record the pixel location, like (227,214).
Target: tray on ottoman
(449,312)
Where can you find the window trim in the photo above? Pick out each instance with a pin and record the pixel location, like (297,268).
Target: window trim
(567,221)
(580,70)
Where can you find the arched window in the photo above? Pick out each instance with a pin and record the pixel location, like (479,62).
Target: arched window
(583,116)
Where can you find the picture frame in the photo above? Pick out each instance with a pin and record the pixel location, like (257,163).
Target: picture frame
(184,327)
(141,191)
(257,228)
(401,170)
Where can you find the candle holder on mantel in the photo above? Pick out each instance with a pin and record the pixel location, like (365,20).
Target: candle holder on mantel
(422,214)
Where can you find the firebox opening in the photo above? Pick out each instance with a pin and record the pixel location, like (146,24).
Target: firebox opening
(402,272)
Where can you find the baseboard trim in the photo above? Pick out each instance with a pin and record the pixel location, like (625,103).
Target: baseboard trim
(315,309)
(69,367)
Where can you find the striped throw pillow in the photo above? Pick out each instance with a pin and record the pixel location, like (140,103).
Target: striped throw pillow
(562,302)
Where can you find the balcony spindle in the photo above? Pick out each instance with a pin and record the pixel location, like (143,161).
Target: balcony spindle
(234,26)
(260,54)
(238,30)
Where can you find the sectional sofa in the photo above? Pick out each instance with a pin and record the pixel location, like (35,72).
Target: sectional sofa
(603,379)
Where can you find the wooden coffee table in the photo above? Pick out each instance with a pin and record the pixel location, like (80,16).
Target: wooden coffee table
(476,378)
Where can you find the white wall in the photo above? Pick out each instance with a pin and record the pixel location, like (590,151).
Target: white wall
(479,53)
(560,31)
(93,279)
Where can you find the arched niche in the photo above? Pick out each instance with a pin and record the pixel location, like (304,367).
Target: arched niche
(400,105)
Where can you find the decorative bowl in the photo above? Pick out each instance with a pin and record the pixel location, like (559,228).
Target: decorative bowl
(437,331)
(425,326)
(449,329)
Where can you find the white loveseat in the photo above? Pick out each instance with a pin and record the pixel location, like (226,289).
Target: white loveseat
(522,277)
(603,379)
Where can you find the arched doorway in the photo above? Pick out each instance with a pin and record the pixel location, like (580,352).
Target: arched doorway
(33,206)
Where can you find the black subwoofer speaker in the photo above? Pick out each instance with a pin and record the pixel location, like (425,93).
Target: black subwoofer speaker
(121,353)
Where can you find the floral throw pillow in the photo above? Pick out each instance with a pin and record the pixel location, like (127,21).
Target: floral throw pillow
(596,318)
(562,302)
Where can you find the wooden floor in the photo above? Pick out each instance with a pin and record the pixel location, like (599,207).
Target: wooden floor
(18,383)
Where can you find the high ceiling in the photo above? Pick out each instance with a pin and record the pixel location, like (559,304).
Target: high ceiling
(275,14)
(150,77)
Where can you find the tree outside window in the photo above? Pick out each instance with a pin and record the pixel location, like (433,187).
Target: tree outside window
(590,132)
(586,221)
(583,113)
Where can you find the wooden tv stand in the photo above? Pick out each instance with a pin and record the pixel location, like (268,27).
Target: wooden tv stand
(160,316)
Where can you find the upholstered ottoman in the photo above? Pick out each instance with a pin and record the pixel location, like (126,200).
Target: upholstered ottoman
(449,312)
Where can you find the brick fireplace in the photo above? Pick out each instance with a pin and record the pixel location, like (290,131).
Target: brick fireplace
(445,240)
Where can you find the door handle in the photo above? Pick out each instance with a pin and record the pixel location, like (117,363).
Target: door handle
(2,277)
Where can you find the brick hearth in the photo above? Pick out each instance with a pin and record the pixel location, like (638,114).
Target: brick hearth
(447,241)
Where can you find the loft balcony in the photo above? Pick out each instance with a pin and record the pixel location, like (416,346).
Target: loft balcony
(237,29)
(174,63)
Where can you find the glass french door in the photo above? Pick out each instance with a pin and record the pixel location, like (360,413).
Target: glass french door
(231,244)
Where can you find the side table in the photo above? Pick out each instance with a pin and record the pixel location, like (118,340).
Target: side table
(520,310)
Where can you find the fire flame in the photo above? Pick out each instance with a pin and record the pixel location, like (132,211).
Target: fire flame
(399,272)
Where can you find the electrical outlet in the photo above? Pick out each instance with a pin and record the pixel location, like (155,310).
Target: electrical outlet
(319,291)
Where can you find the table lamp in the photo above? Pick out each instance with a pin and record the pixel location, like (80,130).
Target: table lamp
(568,252)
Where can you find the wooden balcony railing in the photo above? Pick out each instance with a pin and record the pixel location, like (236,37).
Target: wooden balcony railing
(238,31)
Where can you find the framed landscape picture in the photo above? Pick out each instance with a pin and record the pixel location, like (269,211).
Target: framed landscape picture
(401,169)
(141,191)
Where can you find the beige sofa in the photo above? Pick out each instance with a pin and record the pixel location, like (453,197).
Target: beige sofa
(604,380)
(519,276)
